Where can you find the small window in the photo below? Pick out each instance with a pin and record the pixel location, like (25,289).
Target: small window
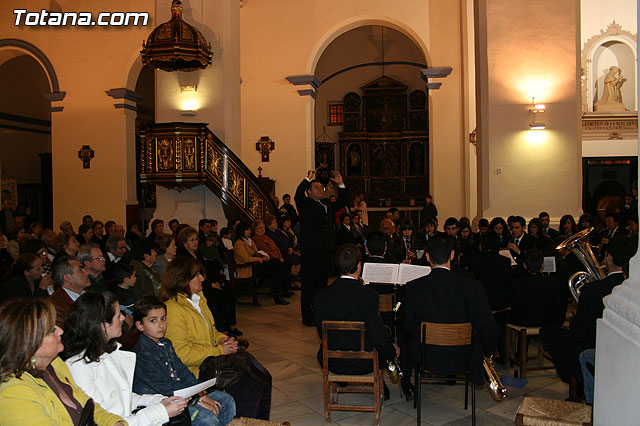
(336,114)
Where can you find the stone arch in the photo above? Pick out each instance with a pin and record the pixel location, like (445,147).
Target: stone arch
(355,22)
(10,48)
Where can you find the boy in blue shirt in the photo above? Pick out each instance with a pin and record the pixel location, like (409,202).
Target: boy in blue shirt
(160,371)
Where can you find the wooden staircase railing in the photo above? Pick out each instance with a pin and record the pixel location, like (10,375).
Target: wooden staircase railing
(183,155)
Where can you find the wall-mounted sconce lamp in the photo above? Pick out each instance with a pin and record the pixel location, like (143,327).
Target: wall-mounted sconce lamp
(536,122)
(189,89)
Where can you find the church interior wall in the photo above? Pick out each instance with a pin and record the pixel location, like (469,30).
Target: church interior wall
(88,61)
(280,38)
(596,15)
(22,83)
(532,170)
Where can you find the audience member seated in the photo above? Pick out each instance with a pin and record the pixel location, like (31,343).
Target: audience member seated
(102,370)
(26,279)
(157,228)
(124,279)
(36,387)
(499,227)
(166,247)
(192,330)
(35,246)
(537,300)
(65,245)
(446,297)
(494,272)
(284,243)
(15,237)
(209,248)
(245,251)
(67,227)
(173,225)
(71,280)
(564,345)
(92,260)
(160,371)
(98,234)
(5,258)
(218,294)
(144,257)
(225,238)
(347,299)
(85,234)
(133,234)
(116,249)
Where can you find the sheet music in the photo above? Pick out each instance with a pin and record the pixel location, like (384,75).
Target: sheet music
(192,390)
(408,272)
(380,273)
(506,253)
(549,264)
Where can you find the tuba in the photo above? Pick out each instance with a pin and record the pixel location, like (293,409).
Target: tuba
(579,245)
(494,382)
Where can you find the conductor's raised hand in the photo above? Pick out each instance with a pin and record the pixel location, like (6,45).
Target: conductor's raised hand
(337,177)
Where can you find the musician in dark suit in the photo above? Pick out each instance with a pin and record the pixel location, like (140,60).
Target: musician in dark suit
(520,240)
(613,228)
(405,246)
(347,299)
(537,300)
(445,297)
(564,345)
(546,229)
(494,272)
(316,236)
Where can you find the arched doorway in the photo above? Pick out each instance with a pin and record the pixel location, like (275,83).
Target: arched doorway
(371,116)
(25,133)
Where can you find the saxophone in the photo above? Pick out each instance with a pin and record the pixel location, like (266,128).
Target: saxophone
(496,389)
(395,374)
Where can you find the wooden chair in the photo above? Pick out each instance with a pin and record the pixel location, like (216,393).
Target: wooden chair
(512,332)
(330,380)
(251,282)
(444,335)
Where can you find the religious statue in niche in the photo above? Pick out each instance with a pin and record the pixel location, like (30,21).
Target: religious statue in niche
(416,159)
(354,157)
(324,166)
(385,160)
(611,97)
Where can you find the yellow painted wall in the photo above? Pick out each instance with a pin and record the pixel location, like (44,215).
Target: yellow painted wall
(88,61)
(531,50)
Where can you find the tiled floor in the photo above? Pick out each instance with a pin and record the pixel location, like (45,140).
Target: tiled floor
(288,350)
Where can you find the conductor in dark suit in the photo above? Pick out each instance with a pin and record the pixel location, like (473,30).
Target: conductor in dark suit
(316,236)
(564,345)
(445,297)
(347,299)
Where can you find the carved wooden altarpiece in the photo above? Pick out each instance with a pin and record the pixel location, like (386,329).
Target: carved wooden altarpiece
(384,145)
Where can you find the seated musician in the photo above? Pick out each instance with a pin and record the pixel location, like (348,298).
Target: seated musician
(446,297)
(347,299)
(564,345)
(405,247)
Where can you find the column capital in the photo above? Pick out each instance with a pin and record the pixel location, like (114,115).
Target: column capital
(125,98)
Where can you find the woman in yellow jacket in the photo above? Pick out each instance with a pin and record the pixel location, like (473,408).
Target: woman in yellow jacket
(191,329)
(36,387)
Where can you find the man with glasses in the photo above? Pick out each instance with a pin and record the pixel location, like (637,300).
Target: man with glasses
(94,263)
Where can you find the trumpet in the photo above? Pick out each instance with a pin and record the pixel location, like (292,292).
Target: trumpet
(494,381)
